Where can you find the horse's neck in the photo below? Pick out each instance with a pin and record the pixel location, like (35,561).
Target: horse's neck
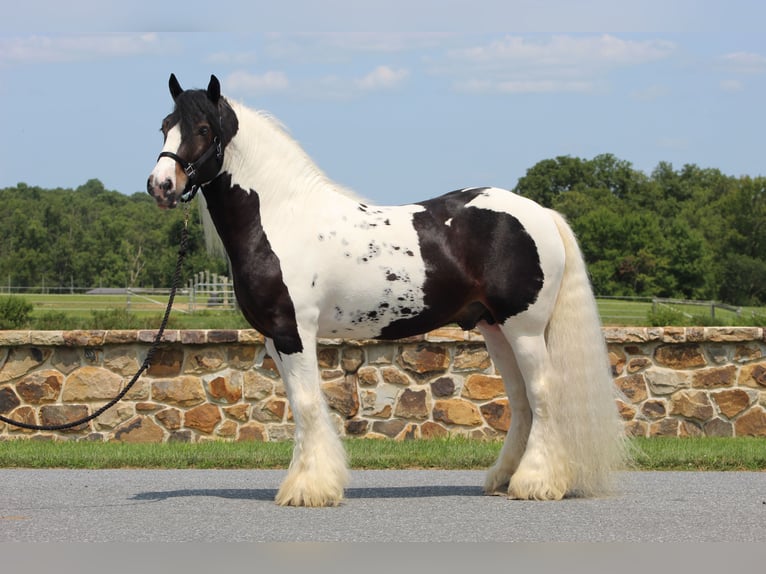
(264,158)
(277,182)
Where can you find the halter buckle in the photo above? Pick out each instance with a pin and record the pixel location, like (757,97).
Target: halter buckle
(188,195)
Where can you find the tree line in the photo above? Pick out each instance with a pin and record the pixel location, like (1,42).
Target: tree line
(92,237)
(692,233)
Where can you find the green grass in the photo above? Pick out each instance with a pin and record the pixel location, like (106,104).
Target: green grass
(95,455)
(73,312)
(138,311)
(453,453)
(82,311)
(641,313)
(624,312)
(709,453)
(689,314)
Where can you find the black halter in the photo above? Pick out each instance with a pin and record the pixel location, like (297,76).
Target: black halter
(191,169)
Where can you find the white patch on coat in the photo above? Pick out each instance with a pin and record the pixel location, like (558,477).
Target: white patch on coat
(166,167)
(366,257)
(372,270)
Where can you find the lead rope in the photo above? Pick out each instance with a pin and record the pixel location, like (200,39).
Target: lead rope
(149,355)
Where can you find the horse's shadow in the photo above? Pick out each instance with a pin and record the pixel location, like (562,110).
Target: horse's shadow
(268,494)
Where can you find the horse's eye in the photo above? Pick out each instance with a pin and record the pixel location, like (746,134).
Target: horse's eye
(203,131)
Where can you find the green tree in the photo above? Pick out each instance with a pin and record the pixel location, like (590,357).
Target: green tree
(547,180)
(93,237)
(692,232)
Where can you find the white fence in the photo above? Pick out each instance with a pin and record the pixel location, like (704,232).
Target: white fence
(211,291)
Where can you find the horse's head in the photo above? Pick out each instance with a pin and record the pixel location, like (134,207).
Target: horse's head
(196,133)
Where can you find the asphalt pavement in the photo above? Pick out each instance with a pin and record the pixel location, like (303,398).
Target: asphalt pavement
(380,506)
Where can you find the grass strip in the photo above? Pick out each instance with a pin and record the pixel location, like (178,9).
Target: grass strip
(99,455)
(707,454)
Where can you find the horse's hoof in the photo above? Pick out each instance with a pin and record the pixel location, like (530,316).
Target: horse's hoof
(298,490)
(496,482)
(531,488)
(312,500)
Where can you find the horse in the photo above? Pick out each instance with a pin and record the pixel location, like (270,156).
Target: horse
(311,259)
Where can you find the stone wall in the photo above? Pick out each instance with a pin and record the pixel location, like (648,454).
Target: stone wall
(206,385)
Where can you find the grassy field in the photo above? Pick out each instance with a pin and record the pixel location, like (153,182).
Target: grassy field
(116,311)
(643,312)
(706,454)
(144,311)
(622,312)
(82,305)
(83,311)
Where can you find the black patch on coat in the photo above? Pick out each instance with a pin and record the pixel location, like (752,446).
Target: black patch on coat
(258,284)
(480,265)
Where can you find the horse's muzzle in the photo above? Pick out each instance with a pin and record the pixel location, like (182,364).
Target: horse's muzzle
(163,192)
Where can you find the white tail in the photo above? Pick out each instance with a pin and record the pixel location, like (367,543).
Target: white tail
(584,404)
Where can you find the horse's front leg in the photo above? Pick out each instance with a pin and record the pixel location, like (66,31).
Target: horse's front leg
(318,471)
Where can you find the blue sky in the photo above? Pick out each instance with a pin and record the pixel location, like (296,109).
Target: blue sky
(463,94)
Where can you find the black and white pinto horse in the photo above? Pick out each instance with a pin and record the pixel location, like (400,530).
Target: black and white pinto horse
(309,259)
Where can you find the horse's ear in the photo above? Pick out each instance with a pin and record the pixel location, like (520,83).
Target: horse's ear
(175,88)
(214,89)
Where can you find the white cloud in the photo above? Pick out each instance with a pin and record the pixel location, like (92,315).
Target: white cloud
(333,86)
(382,78)
(515,64)
(47,49)
(247,84)
(744,62)
(732,85)
(330,86)
(338,47)
(737,65)
(602,50)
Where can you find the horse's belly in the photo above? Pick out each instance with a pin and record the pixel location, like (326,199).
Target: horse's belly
(371,271)
(363,314)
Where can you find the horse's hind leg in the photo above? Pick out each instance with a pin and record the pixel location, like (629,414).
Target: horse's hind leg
(499,475)
(318,471)
(544,472)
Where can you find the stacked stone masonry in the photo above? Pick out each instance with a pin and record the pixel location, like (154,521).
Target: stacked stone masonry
(221,385)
